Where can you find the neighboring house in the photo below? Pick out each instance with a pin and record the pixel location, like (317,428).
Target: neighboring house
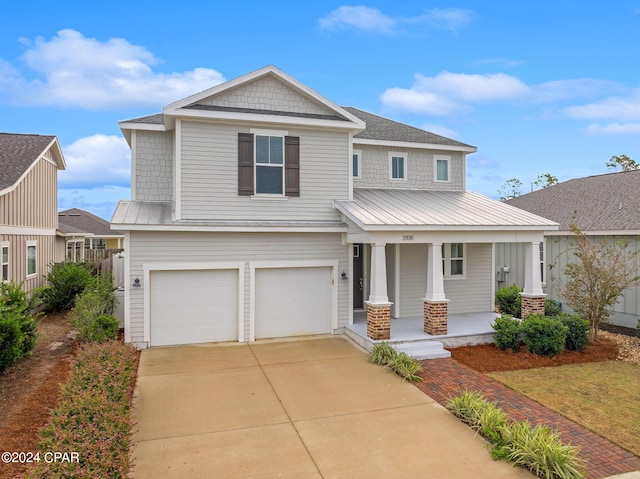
(86,231)
(29,167)
(261,209)
(602,206)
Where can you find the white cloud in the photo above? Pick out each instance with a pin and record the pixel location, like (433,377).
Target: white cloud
(566,89)
(372,20)
(359,18)
(446,93)
(613,108)
(73,70)
(614,129)
(96,161)
(101,201)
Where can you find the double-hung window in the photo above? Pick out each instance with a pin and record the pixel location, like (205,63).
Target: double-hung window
(4,257)
(397,166)
(32,258)
(269,165)
(441,169)
(453,264)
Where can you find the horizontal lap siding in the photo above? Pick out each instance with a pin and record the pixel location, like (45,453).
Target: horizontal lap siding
(209,180)
(473,293)
(225,247)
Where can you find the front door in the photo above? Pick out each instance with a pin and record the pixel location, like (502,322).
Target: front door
(357,277)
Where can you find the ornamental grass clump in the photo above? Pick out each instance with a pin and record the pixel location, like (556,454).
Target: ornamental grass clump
(406,366)
(382,354)
(93,417)
(536,448)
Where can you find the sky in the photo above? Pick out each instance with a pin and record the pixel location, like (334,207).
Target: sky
(551,86)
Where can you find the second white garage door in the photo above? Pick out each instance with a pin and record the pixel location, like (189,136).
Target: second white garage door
(193,306)
(292,302)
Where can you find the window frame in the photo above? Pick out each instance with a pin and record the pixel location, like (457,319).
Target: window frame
(356,164)
(448,258)
(398,154)
(29,245)
(436,159)
(269,135)
(4,265)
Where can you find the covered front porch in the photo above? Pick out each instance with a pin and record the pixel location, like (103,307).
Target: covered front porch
(407,334)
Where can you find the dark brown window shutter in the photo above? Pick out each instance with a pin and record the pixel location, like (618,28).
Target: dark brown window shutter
(292,166)
(245,164)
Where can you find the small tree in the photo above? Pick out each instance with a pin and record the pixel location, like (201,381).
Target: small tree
(545,180)
(511,189)
(624,162)
(595,282)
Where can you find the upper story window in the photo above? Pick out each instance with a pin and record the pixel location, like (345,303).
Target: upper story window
(355,165)
(4,257)
(453,264)
(441,168)
(32,258)
(268,164)
(269,175)
(397,166)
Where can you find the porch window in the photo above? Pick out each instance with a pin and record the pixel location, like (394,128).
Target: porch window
(32,258)
(441,168)
(356,163)
(5,262)
(453,264)
(397,166)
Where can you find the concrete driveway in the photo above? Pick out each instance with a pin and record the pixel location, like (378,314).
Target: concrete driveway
(312,408)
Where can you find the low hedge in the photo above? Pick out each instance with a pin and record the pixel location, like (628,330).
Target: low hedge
(93,417)
(544,335)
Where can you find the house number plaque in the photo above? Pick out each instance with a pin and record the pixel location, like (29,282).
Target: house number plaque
(407,237)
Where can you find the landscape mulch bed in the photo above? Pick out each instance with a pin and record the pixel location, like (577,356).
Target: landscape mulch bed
(31,388)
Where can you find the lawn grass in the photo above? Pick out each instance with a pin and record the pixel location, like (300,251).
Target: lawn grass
(601,396)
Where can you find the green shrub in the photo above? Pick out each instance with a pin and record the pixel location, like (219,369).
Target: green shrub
(18,325)
(406,366)
(509,300)
(92,310)
(577,333)
(507,333)
(540,450)
(544,335)
(66,281)
(93,416)
(382,353)
(551,307)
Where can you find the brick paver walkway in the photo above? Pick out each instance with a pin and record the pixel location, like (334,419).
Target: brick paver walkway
(444,378)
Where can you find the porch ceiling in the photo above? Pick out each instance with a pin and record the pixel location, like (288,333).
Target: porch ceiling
(395,209)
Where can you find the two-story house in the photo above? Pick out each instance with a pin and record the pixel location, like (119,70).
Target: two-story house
(261,209)
(29,240)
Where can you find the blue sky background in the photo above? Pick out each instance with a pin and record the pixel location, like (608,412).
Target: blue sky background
(545,86)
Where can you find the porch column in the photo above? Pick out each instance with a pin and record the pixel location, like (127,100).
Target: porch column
(532,295)
(378,306)
(435,302)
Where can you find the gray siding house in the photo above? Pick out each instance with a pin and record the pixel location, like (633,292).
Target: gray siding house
(261,209)
(602,206)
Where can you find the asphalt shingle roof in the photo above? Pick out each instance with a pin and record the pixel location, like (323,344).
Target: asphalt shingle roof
(609,202)
(75,220)
(17,154)
(380,128)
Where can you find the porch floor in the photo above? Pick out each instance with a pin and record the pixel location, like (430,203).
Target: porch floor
(463,329)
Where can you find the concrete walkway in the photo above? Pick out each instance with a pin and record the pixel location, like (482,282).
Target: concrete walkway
(294,409)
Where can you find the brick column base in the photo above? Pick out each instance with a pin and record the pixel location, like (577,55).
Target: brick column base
(379,321)
(532,305)
(436,317)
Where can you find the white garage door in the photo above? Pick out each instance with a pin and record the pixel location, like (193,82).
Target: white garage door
(292,302)
(193,306)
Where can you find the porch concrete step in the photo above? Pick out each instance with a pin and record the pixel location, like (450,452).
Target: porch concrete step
(423,349)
